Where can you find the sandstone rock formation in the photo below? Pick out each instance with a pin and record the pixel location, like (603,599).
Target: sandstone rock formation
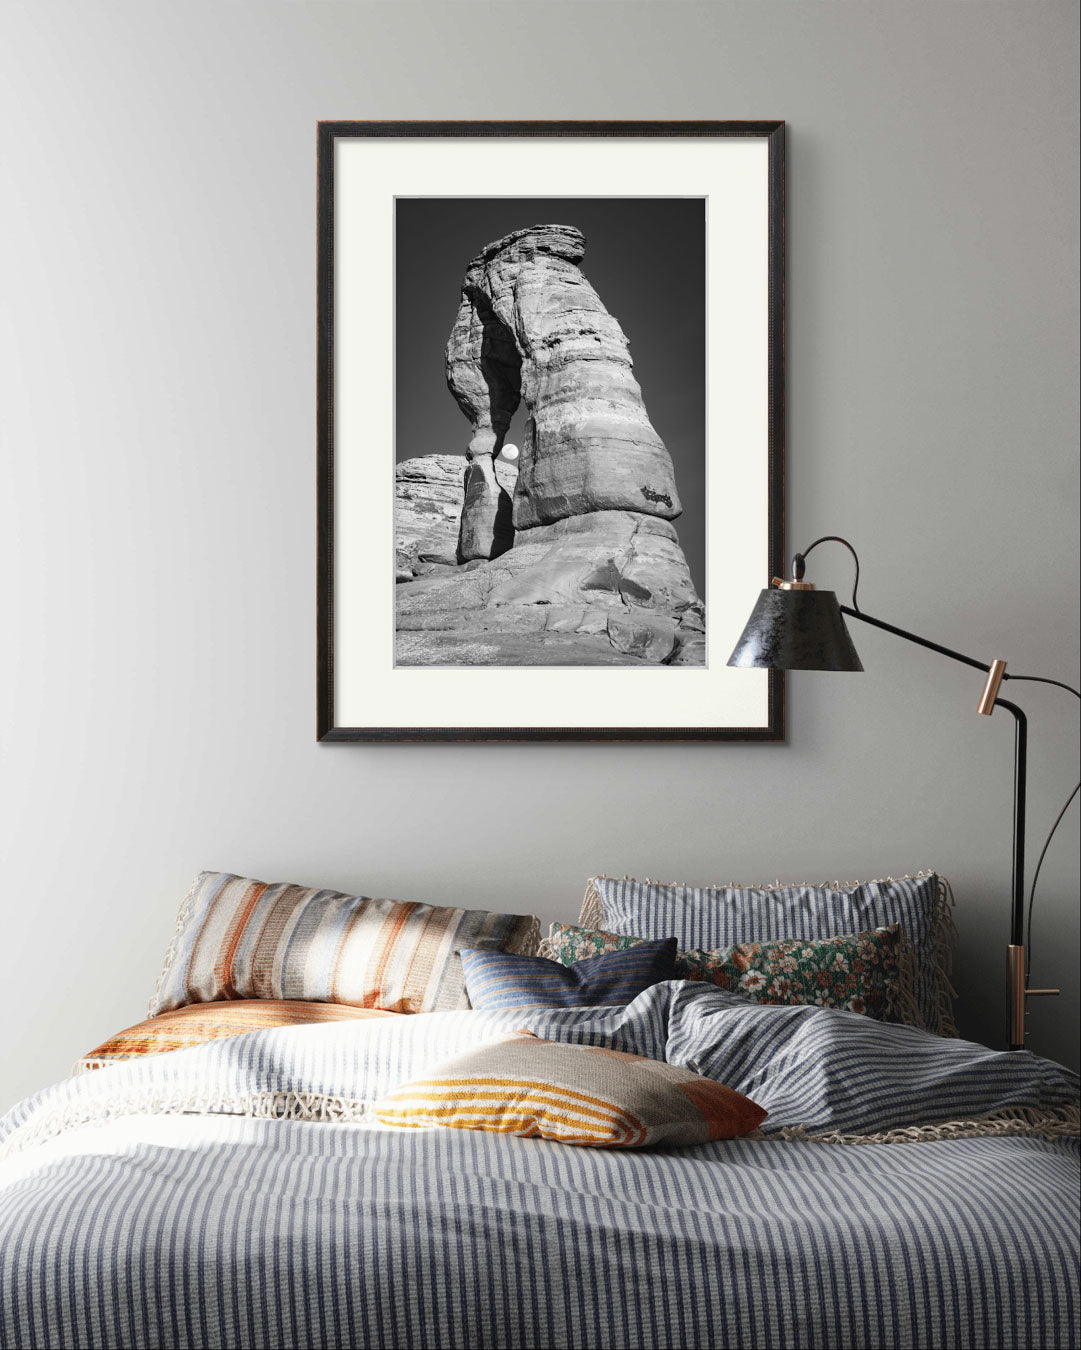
(487,529)
(530,326)
(607,588)
(429,492)
(569,559)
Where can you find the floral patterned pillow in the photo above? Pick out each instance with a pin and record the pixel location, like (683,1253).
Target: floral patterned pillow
(860,973)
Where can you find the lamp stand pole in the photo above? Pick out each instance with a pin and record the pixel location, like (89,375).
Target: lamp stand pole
(795,627)
(1016,989)
(1015,952)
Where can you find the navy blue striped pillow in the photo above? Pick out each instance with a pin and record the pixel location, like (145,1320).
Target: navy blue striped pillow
(508,980)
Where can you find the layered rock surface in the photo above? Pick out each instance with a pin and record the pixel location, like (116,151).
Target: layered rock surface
(530,326)
(607,588)
(571,560)
(429,492)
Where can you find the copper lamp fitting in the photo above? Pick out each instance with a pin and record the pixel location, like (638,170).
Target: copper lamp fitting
(797,583)
(995,676)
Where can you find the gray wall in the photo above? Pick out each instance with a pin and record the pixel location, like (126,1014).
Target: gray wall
(157,535)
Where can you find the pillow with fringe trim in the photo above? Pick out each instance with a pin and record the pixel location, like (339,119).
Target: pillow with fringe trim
(712,917)
(239,938)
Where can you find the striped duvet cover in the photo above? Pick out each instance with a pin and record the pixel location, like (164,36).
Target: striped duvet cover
(236,1195)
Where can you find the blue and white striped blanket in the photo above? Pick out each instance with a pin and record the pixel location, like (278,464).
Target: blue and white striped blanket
(234,1195)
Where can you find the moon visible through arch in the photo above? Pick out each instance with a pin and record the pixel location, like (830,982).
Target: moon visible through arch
(509,452)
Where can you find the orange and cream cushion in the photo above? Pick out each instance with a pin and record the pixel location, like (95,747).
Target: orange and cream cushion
(572,1094)
(197,1023)
(241,938)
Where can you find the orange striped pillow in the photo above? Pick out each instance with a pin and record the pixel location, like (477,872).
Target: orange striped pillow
(198,1023)
(241,938)
(572,1094)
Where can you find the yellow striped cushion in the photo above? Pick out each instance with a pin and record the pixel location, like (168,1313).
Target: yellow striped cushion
(572,1094)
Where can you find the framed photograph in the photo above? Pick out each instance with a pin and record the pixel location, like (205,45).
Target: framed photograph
(550,428)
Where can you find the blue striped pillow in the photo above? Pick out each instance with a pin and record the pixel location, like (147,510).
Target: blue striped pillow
(507,980)
(728,916)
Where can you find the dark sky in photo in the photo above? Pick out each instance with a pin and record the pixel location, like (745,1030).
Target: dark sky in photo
(645,258)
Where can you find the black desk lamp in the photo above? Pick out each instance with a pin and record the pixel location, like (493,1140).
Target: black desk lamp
(795,627)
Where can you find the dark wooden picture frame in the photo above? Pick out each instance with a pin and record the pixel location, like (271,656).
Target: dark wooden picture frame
(329,133)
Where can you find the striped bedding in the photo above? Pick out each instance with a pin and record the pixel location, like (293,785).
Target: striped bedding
(235,1194)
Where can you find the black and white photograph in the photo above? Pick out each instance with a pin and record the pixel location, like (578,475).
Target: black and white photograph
(550,432)
(550,428)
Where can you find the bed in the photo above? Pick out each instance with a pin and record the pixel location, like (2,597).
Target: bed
(905,1190)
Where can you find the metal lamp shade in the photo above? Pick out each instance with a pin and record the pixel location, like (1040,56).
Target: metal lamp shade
(796,630)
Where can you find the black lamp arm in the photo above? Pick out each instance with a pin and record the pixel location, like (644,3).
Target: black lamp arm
(996,673)
(854,612)
(1017,916)
(920,641)
(1018,977)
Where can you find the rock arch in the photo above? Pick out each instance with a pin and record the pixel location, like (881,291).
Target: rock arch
(484,373)
(530,326)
